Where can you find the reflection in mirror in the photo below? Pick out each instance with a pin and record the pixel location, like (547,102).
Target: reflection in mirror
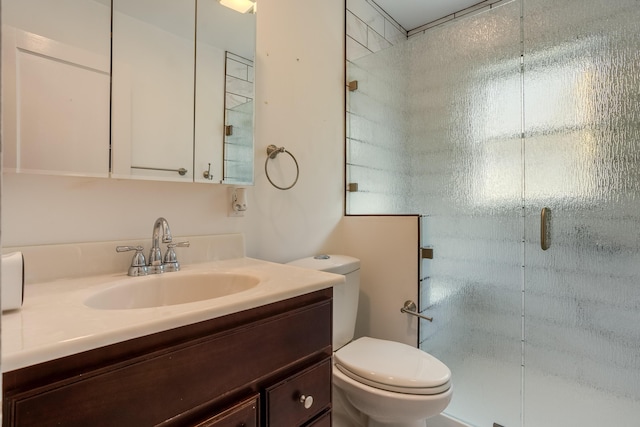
(238,113)
(221,30)
(55,87)
(153,89)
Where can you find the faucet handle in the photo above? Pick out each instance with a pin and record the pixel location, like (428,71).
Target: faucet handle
(170,259)
(184,244)
(138,263)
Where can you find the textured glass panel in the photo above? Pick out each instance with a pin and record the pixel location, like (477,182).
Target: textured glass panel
(434,127)
(466,176)
(582,303)
(377,133)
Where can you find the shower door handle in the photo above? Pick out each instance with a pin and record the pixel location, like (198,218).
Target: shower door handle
(545,219)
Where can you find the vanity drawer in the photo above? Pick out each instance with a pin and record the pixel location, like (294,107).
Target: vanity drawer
(284,406)
(322,421)
(243,414)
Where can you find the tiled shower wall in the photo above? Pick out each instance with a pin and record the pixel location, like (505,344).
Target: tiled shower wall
(370,29)
(377,112)
(376,129)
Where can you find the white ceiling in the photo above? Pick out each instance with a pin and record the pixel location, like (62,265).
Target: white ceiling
(414,13)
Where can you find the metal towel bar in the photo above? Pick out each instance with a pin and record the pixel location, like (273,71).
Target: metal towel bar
(181,171)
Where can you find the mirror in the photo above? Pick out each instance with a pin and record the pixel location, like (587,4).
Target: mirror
(165,116)
(225,51)
(55,87)
(238,113)
(152,100)
(161,127)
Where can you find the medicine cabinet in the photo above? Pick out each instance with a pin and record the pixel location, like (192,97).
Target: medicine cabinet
(148,103)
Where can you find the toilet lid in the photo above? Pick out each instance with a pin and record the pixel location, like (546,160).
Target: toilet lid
(393,366)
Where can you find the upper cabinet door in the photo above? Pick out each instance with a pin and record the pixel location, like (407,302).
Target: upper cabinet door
(55,83)
(153,89)
(225,50)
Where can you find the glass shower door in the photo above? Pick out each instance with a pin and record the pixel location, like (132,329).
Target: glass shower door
(582,162)
(466,178)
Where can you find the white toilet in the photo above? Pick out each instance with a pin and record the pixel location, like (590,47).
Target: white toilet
(392,384)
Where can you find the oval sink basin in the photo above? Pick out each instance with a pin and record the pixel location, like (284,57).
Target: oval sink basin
(170,289)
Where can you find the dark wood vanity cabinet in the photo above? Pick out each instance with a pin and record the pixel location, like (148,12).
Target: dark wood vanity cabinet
(258,367)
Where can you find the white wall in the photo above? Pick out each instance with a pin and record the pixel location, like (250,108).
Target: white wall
(387,247)
(299,102)
(300,105)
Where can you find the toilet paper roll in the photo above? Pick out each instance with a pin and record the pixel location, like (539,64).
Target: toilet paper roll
(12,280)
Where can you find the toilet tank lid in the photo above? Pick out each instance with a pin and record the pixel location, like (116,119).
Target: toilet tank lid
(338,264)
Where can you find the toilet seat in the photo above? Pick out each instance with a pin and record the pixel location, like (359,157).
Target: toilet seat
(393,366)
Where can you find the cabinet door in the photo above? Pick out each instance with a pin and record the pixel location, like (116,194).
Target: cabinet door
(55,87)
(299,398)
(57,120)
(243,414)
(153,89)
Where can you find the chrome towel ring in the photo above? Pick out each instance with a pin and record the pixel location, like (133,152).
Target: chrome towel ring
(272,152)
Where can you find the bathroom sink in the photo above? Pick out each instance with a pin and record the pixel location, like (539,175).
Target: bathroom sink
(169,289)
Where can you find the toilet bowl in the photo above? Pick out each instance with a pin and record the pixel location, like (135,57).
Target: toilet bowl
(390,383)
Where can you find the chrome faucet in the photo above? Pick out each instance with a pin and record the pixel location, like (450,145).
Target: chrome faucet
(162,231)
(156,263)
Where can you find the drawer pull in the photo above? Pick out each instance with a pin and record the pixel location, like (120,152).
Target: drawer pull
(307,401)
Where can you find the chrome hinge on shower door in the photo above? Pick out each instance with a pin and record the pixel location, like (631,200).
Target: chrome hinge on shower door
(426,253)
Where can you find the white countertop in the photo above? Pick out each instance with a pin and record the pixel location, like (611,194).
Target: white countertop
(54,322)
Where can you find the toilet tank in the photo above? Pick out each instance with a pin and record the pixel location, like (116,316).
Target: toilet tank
(345,296)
